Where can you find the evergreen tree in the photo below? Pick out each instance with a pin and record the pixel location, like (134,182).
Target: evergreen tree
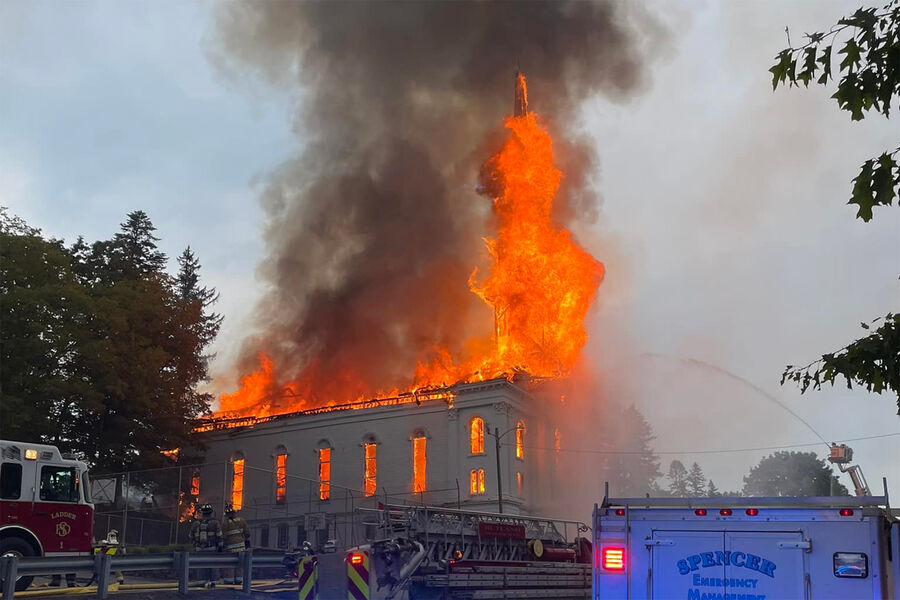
(696,481)
(631,468)
(678,483)
(102,350)
(711,490)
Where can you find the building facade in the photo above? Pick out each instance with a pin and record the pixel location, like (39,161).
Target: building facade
(303,476)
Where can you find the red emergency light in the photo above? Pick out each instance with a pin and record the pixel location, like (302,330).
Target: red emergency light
(846,512)
(613,559)
(752,512)
(620,512)
(725,512)
(700,512)
(356,558)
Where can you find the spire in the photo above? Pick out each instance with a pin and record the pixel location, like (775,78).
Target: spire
(520,108)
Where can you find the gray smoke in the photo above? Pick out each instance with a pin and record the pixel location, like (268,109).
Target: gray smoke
(374,228)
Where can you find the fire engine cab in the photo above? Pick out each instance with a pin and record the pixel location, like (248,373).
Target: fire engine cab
(45,503)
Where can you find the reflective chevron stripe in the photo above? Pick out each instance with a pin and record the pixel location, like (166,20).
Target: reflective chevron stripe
(309,578)
(358,576)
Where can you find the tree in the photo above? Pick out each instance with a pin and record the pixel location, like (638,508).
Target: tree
(792,474)
(678,482)
(630,467)
(712,491)
(43,312)
(696,481)
(102,350)
(870,80)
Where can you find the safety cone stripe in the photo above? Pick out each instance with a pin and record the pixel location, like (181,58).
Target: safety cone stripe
(358,579)
(309,578)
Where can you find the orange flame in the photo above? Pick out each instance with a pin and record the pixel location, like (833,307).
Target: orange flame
(540,287)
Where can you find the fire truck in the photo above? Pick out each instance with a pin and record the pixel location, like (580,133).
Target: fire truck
(431,553)
(45,503)
(748,548)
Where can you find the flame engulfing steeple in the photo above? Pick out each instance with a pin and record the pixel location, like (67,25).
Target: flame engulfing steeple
(520,108)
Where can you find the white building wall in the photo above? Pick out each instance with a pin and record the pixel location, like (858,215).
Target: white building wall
(449,460)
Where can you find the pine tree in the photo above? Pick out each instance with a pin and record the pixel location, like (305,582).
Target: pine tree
(678,483)
(135,247)
(696,481)
(711,490)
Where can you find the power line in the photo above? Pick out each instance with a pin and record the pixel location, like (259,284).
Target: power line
(720,451)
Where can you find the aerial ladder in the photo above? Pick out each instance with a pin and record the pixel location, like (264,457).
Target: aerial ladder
(431,553)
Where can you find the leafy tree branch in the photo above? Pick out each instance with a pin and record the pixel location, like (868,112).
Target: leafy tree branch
(872,362)
(870,80)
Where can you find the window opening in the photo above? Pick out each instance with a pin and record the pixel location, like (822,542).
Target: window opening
(324,473)
(419,463)
(195,482)
(520,440)
(264,536)
(476,442)
(283,535)
(519,484)
(10,481)
(371,468)
(237,483)
(280,478)
(476,481)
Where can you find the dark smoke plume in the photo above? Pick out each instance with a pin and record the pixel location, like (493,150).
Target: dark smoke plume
(374,228)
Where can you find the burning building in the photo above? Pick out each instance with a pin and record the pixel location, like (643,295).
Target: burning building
(300,476)
(299,452)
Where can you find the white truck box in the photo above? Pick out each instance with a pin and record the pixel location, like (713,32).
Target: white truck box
(822,548)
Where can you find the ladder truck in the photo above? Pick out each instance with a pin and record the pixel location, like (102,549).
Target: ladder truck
(429,553)
(45,503)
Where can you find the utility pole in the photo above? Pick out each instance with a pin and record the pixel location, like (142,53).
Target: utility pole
(499,477)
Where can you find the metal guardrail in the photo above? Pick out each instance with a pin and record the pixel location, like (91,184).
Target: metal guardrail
(101,565)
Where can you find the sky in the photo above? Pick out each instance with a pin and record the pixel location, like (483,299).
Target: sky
(729,248)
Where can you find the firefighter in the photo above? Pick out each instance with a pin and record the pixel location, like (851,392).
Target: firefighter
(237,537)
(206,535)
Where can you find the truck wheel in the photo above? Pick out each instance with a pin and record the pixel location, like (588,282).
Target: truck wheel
(14,546)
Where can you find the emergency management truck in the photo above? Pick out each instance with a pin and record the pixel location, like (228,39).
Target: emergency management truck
(822,548)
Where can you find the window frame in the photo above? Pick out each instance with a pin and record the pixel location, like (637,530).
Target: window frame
(74,486)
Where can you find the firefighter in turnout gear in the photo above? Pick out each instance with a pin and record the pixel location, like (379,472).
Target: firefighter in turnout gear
(237,537)
(206,535)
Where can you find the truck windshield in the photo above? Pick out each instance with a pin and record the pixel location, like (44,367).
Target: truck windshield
(59,484)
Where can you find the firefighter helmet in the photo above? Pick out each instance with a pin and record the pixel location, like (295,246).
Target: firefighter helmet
(206,508)
(229,510)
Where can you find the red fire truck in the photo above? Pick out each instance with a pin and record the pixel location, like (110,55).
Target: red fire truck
(45,503)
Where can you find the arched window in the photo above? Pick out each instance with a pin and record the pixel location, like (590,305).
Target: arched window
(280,475)
(520,440)
(324,471)
(476,436)
(476,481)
(420,461)
(237,481)
(370,467)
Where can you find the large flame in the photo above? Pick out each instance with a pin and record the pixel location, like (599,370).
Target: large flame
(540,286)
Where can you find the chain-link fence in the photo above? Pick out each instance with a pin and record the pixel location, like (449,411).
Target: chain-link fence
(156,508)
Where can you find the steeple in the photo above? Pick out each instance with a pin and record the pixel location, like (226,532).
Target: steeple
(520,108)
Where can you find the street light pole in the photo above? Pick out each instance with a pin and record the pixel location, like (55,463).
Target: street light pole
(499,477)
